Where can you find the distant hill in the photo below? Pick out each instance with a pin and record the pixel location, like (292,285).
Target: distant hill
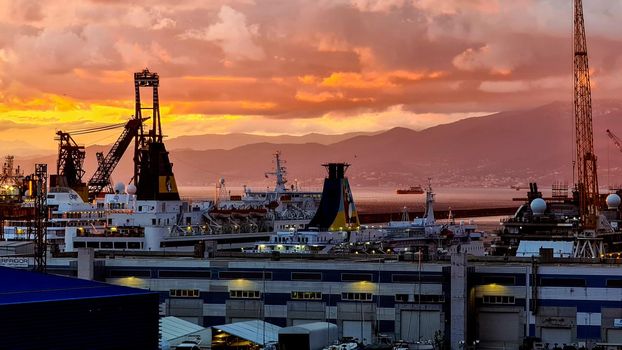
(501,149)
(230,141)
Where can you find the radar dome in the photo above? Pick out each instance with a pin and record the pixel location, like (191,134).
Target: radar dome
(613,201)
(131,189)
(119,187)
(538,206)
(221,181)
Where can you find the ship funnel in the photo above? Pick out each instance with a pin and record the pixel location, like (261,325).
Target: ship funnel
(337,211)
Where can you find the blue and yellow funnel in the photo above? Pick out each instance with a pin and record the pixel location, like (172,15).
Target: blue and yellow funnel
(337,211)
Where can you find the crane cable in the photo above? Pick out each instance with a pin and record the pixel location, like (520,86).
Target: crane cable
(96,129)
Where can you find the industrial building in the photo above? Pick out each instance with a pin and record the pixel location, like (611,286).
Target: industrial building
(53,312)
(558,300)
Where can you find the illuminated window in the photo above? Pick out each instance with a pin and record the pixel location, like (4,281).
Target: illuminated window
(244,294)
(184,293)
(306,295)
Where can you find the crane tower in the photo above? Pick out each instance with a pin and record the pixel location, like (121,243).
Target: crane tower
(587,179)
(588,243)
(153,171)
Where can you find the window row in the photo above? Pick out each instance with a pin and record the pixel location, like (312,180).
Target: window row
(423,298)
(498,299)
(258,275)
(307,295)
(244,294)
(356,296)
(184,293)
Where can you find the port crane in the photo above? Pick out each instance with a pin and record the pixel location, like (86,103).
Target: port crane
(153,170)
(69,165)
(615,139)
(71,159)
(153,173)
(106,165)
(588,245)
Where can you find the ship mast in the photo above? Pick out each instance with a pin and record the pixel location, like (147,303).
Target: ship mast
(280,172)
(429,204)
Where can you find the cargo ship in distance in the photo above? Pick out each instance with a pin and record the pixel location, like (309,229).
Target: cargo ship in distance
(411,190)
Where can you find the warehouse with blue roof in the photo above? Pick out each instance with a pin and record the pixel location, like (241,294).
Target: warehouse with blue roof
(42,311)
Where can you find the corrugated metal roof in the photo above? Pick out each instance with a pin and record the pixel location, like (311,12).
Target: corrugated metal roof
(252,331)
(532,248)
(172,327)
(21,286)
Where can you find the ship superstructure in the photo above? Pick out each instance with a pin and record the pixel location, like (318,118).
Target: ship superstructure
(429,235)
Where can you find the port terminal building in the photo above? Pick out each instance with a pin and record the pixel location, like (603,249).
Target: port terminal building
(494,302)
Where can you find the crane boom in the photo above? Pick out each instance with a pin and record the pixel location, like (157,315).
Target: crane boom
(101,177)
(615,139)
(587,180)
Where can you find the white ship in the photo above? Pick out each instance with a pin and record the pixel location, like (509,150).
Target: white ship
(281,208)
(427,226)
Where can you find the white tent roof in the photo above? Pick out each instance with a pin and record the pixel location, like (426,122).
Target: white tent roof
(532,248)
(252,331)
(308,328)
(172,327)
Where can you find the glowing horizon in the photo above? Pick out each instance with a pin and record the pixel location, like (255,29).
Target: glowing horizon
(294,67)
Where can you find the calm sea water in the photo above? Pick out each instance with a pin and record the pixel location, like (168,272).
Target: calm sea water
(374,199)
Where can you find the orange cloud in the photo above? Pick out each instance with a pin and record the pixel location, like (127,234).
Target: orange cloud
(321,64)
(355,81)
(318,97)
(376,80)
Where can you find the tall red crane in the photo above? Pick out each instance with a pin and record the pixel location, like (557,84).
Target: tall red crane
(587,180)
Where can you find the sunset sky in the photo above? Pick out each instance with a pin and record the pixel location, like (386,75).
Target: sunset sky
(290,66)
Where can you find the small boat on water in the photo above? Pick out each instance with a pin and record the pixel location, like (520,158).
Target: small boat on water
(411,190)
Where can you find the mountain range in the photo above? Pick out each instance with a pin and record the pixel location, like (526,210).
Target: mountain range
(497,150)
(231,141)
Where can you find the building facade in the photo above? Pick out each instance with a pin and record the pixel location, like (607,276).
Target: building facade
(503,302)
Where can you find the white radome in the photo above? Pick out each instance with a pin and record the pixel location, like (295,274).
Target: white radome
(538,206)
(131,189)
(613,201)
(119,187)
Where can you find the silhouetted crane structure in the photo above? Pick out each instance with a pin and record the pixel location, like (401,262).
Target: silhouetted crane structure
(69,165)
(106,165)
(153,171)
(587,179)
(615,139)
